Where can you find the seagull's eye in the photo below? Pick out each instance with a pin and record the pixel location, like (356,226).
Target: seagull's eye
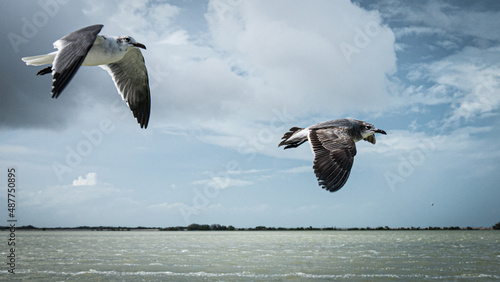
(127,39)
(367,127)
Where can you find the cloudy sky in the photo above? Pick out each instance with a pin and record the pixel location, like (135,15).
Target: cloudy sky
(228,78)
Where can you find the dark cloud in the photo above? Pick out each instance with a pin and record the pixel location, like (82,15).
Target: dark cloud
(26,98)
(28,30)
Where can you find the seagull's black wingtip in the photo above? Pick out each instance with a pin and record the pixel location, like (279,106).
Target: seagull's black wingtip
(45,71)
(55,94)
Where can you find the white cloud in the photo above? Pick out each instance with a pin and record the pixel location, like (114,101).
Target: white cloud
(68,196)
(465,84)
(418,30)
(293,56)
(179,37)
(219,182)
(89,180)
(321,58)
(472,78)
(444,18)
(299,169)
(402,141)
(149,19)
(456,149)
(250,209)
(248,171)
(447,44)
(279,58)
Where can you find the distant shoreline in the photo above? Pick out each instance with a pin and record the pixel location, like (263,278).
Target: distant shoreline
(216,227)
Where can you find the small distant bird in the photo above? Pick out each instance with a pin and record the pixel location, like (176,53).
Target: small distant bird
(116,54)
(333,145)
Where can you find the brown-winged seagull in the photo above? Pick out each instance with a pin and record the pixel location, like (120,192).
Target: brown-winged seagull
(333,145)
(119,55)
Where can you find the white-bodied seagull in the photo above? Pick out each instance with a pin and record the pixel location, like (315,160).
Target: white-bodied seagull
(334,148)
(119,55)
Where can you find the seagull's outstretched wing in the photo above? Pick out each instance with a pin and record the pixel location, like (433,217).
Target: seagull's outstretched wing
(73,49)
(131,79)
(334,153)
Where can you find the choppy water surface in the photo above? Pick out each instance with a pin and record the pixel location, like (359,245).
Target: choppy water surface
(256,256)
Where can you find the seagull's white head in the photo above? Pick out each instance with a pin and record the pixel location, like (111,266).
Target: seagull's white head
(129,42)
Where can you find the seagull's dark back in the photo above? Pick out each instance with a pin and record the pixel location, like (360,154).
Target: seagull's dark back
(351,126)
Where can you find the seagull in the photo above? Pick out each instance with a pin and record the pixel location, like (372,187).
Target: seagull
(333,145)
(119,55)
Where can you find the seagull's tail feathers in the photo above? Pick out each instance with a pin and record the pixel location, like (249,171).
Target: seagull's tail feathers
(40,60)
(294,138)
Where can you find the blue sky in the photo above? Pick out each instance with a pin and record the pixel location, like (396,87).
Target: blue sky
(228,78)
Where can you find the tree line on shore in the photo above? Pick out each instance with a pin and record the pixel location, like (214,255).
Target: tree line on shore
(218,227)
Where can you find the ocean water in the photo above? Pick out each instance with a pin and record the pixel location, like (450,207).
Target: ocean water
(254,256)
